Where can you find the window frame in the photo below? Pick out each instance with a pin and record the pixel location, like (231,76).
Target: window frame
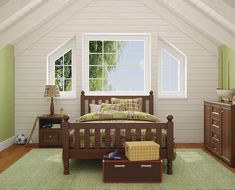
(146,37)
(56,54)
(182,70)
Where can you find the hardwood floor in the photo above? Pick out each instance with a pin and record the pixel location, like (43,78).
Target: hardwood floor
(10,155)
(189,145)
(13,153)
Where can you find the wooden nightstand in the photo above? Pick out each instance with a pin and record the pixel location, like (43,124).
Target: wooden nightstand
(50,132)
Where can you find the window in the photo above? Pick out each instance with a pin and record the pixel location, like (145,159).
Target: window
(116,64)
(172,72)
(61,69)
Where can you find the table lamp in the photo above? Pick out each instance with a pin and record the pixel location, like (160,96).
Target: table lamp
(51,91)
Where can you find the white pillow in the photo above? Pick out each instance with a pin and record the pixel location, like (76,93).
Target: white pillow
(95,108)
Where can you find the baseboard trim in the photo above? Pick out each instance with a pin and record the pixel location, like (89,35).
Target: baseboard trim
(5,144)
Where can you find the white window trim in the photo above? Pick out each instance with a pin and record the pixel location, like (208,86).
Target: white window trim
(54,55)
(175,52)
(146,37)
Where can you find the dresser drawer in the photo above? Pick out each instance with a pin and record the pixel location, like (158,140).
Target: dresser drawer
(216,126)
(216,145)
(215,135)
(215,115)
(132,171)
(216,109)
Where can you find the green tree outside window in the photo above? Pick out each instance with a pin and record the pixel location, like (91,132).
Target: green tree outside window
(103,57)
(63,72)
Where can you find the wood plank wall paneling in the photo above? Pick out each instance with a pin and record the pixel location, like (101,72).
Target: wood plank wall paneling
(117,16)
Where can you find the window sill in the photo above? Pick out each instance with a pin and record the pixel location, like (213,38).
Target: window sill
(175,97)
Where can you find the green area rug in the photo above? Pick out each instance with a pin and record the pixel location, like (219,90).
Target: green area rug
(42,169)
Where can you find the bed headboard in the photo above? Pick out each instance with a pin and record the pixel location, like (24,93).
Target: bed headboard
(147,101)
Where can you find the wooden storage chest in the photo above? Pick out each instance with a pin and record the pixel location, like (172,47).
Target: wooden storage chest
(132,171)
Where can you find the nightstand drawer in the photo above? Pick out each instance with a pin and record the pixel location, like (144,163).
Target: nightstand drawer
(50,137)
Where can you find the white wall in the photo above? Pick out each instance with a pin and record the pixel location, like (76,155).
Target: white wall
(119,16)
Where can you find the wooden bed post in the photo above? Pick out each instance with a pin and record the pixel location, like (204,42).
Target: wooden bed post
(170,144)
(151,103)
(82,102)
(65,143)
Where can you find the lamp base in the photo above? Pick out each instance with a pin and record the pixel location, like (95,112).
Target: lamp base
(52,107)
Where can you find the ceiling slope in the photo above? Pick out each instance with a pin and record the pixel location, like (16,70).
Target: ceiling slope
(201,19)
(213,18)
(21,22)
(179,23)
(50,24)
(9,8)
(219,11)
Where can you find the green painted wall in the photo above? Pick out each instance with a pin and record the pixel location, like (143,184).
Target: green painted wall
(226,67)
(7,85)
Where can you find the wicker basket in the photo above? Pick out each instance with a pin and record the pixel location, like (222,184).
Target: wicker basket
(142,150)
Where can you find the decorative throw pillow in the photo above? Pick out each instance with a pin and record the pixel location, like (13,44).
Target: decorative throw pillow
(95,108)
(134,104)
(116,107)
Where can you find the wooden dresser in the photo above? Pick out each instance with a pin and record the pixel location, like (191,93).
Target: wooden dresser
(219,130)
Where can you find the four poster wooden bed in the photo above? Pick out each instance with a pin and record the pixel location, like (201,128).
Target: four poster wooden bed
(77,137)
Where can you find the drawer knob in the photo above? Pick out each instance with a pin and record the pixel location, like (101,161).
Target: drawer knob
(145,165)
(119,166)
(215,148)
(50,136)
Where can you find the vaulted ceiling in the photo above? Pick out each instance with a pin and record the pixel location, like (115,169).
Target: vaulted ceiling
(19,18)
(213,18)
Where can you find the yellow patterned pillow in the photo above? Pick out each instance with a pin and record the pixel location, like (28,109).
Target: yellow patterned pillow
(134,104)
(116,107)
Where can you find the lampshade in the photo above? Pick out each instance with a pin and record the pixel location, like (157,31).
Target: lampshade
(51,91)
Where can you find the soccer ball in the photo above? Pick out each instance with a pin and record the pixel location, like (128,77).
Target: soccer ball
(21,139)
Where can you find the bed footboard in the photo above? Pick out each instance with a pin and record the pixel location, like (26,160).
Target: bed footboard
(98,139)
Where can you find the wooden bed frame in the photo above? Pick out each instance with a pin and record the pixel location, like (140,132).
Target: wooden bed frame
(97,151)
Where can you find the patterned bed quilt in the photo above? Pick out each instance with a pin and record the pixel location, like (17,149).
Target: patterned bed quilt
(118,115)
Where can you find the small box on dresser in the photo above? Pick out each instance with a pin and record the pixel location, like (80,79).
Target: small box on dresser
(219,130)
(132,171)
